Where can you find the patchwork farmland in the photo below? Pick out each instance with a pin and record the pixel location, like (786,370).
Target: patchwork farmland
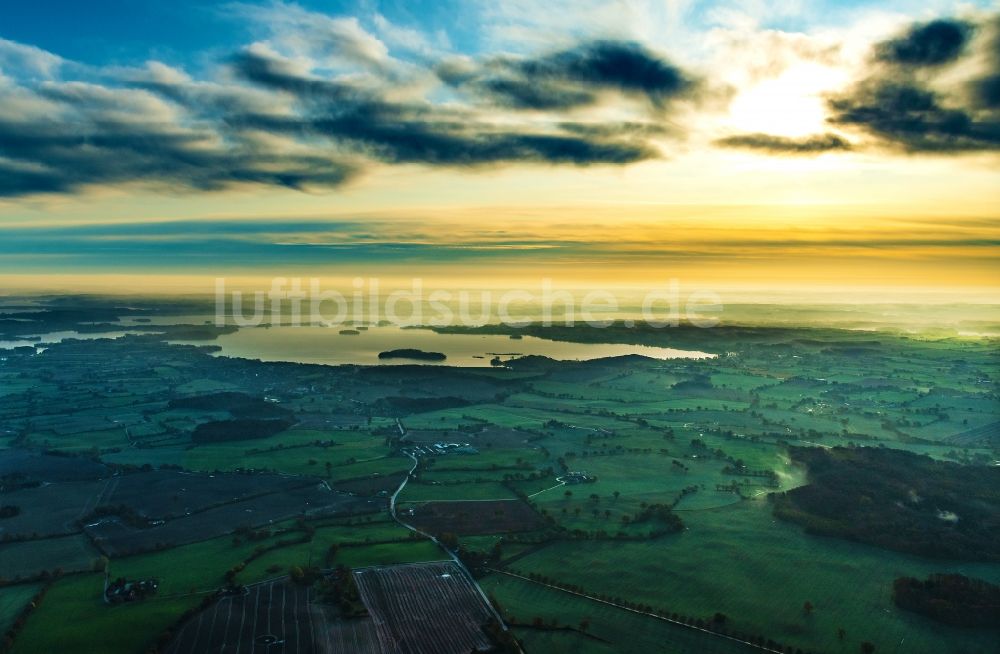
(666,521)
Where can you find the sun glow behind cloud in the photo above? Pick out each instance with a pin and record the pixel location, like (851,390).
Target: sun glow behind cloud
(792,104)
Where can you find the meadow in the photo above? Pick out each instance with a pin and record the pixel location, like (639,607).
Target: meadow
(760,572)
(693,445)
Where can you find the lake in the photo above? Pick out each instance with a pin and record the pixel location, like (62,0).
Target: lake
(315,344)
(48,338)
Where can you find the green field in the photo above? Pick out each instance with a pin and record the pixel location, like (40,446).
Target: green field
(13,599)
(760,572)
(73,615)
(610,629)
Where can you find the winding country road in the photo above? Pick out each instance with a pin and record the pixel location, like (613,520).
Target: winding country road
(452,555)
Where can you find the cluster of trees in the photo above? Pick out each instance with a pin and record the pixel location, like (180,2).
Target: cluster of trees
(340,590)
(738,468)
(670,522)
(616,450)
(531,476)
(17,481)
(249,534)
(9,511)
(478,561)
(305,576)
(953,599)
(504,641)
(238,405)
(221,431)
(687,490)
(282,446)
(538,622)
(122,590)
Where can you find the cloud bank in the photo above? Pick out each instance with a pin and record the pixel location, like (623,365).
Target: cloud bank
(932,89)
(317,102)
(320,100)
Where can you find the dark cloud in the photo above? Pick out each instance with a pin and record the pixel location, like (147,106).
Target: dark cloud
(987,91)
(913,100)
(384,132)
(626,66)
(914,118)
(61,157)
(773,144)
(15,180)
(523,93)
(927,44)
(277,74)
(572,77)
(632,129)
(419,132)
(270,120)
(89,134)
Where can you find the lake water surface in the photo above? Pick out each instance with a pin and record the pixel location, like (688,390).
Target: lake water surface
(328,346)
(323,345)
(49,338)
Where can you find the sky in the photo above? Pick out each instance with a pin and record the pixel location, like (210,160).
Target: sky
(826,144)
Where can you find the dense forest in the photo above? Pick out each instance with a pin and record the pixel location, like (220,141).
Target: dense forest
(219,431)
(950,598)
(239,405)
(897,500)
